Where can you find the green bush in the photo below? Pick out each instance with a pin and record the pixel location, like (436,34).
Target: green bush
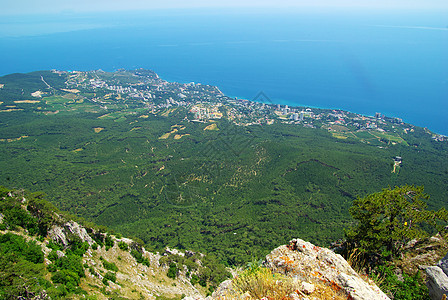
(109,242)
(172,271)
(123,246)
(72,263)
(21,267)
(194,279)
(389,219)
(410,288)
(30,251)
(54,246)
(139,257)
(110,266)
(77,247)
(15,216)
(109,276)
(66,277)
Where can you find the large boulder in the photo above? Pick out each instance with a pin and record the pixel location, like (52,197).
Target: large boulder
(310,263)
(437,282)
(443,264)
(437,279)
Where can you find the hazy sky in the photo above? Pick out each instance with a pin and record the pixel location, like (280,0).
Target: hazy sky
(14,7)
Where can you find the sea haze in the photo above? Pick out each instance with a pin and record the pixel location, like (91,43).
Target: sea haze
(393,63)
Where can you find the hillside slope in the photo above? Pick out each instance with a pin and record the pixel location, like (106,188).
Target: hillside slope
(45,254)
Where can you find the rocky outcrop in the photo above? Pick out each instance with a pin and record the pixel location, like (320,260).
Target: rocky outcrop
(310,263)
(443,264)
(79,231)
(437,279)
(309,266)
(437,282)
(57,234)
(61,234)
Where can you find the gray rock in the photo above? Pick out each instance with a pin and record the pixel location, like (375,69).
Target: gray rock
(311,263)
(79,231)
(60,253)
(307,288)
(443,264)
(411,244)
(57,234)
(223,289)
(358,288)
(437,282)
(174,252)
(295,296)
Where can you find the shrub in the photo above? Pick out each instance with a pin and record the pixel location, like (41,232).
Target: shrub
(109,242)
(109,276)
(54,246)
(123,246)
(139,257)
(20,266)
(194,279)
(172,271)
(18,245)
(72,263)
(66,277)
(410,288)
(110,266)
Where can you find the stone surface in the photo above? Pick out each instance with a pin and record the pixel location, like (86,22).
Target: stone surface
(310,263)
(56,233)
(79,231)
(224,288)
(307,288)
(60,254)
(174,252)
(437,282)
(443,264)
(59,234)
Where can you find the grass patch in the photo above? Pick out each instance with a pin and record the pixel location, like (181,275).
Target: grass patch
(212,127)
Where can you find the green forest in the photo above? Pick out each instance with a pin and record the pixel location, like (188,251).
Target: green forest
(236,191)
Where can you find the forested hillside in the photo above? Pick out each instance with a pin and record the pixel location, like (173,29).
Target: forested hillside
(236,183)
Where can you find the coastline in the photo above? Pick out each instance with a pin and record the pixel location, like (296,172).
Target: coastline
(226,89)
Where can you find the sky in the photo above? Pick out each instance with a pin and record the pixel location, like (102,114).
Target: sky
(23,7)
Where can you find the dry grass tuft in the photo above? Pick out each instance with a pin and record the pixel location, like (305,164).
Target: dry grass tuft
(357,261)
(260,282)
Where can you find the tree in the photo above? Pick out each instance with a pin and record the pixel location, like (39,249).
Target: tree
(389,219)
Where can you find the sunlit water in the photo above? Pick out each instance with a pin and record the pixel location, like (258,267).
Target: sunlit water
(396,64)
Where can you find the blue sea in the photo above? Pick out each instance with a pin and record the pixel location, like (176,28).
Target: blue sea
(395,63)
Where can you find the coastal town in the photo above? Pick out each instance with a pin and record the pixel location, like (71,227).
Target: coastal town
(124,92)
(205,103)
